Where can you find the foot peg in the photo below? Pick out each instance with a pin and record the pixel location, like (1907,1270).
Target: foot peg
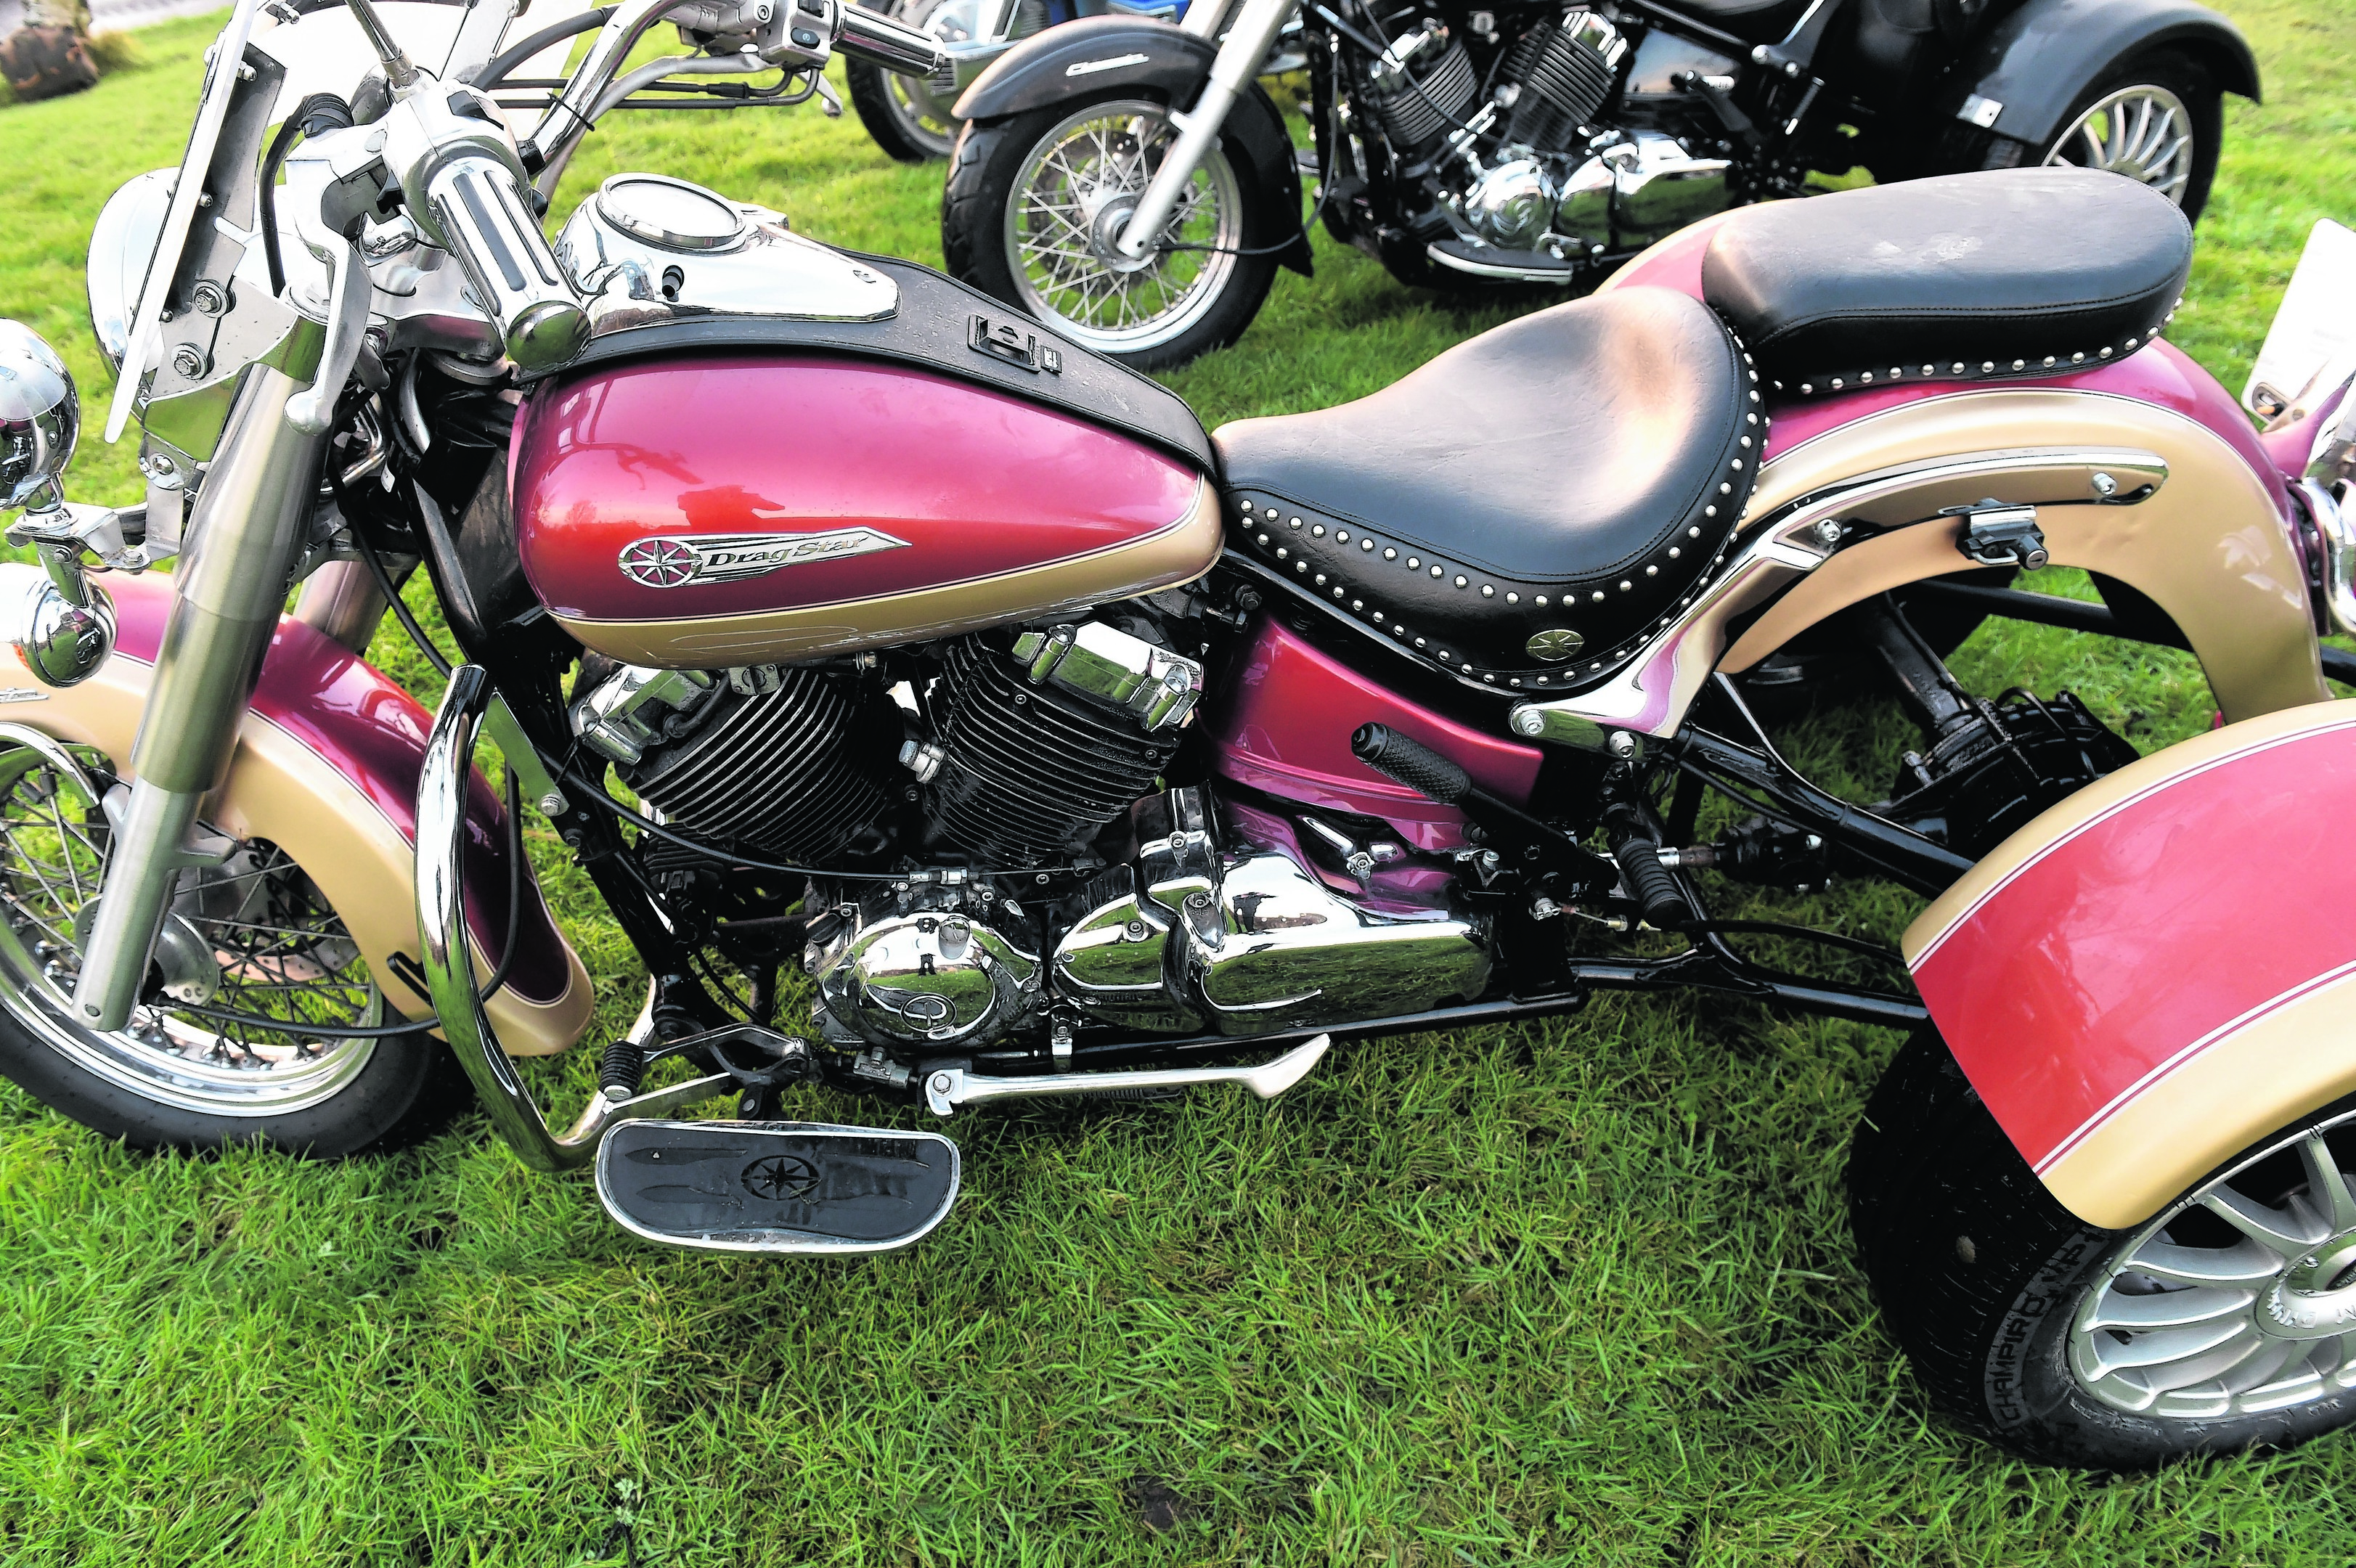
(775,1187)
(948,1088)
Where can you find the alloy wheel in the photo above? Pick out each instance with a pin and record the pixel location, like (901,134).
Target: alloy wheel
(2144,133)
(1071,201)
(2239,1300)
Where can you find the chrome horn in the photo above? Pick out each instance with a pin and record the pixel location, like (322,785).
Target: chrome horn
(60,626)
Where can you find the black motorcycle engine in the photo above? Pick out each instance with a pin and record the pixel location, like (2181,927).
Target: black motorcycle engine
(1044,736)
(793,762)
(1423,86)
(1558,77)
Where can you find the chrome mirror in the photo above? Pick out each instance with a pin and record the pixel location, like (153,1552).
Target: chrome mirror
(40,418)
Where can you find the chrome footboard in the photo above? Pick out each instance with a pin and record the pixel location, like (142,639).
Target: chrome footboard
(450,962)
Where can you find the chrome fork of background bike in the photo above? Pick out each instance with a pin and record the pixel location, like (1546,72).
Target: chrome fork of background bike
(1257,25)
(244,542)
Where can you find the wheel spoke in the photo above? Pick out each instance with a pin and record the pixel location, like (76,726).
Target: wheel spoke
(2272,1229)
(2167,1308)
(2243,1263)
(2163,1346)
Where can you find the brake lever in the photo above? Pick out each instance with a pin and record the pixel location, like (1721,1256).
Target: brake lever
(312,410)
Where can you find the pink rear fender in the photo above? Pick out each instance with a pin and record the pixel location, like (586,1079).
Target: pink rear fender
(2160,971)
(326,767)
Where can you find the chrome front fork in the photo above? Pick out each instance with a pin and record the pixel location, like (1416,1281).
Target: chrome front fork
(250,520)
(1257,25)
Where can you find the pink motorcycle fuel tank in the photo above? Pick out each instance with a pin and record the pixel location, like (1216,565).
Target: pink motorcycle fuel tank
(757,507)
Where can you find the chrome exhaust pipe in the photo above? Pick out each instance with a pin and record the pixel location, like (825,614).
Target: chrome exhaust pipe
(948,1088)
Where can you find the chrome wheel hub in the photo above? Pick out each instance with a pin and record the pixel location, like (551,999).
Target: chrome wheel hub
(2240,1299)
(2143,132)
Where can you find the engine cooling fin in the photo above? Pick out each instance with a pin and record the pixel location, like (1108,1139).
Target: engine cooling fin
(1030,770)
(781,770)
(1564,82)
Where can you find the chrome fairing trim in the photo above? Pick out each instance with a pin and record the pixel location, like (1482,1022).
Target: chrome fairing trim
(449,962)
(1651,694)
(2338,531)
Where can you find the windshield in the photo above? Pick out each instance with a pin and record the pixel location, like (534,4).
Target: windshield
(212,108)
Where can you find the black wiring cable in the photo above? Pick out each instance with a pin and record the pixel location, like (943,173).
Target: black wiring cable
(1803,934)
(319,111)
(507,59)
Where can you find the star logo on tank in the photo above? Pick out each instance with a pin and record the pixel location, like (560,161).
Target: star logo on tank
(781,1178)
(675,560)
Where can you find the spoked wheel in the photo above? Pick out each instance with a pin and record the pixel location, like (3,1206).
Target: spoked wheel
(1035,203)
(2227,1322)
(908,115)
(253,936)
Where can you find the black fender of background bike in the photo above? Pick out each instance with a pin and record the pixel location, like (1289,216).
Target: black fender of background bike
(2036,60)
(1099,55)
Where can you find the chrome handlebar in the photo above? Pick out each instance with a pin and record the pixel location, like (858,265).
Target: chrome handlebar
(881,42)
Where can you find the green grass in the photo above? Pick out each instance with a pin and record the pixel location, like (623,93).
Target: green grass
(1577,1292)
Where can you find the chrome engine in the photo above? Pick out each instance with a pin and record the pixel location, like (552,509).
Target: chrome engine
(1538,169)
(1059,883)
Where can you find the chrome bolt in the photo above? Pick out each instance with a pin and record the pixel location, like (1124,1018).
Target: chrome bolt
(942,1083)
(551,804)
(1830,532)
(1528,721)
(188,360)
(210,298)
(1622,744)
(2106,486)
(1135,931)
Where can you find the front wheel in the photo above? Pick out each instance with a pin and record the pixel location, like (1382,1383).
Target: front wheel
(1035,203)
(908,115)
(252,936)
(2228,1322)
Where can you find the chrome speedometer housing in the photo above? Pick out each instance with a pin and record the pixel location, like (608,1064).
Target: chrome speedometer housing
(120,247)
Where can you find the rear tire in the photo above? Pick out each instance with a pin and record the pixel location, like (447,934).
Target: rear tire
(1983,1279)
(1002,204)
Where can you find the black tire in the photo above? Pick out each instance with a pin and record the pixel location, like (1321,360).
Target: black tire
(1980,1274)
(2171,70)
(984,168)
(410,1090)
(897,123)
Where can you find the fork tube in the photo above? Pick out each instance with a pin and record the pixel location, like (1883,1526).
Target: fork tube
(1257,25)
(244,542)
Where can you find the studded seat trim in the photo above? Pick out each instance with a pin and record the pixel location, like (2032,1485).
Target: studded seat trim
(1571,479)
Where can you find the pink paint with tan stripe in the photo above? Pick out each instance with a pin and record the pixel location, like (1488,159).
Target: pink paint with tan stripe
(2182,915)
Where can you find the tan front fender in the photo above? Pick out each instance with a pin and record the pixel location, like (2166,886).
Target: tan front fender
(327,768)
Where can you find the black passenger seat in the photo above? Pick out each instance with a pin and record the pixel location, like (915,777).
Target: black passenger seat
(1962,277)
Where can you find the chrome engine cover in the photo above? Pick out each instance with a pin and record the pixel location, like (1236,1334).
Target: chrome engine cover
(1247,940)
(929,979)
(1512,204)
(1642,189)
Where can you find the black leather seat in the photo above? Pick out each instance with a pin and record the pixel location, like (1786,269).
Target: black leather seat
(2013,272)
(1525,507)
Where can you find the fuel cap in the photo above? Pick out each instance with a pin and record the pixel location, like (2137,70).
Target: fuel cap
(670,213)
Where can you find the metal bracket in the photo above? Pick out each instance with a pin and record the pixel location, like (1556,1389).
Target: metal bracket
(539,784)
(1995,533)
(946,1088)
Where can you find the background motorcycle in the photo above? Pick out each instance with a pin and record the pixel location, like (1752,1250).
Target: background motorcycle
(1527,145)
(910,117)
(964,673)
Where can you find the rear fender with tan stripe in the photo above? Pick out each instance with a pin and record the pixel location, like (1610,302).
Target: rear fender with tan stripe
(2160,971)
(2208,546)
(327,768)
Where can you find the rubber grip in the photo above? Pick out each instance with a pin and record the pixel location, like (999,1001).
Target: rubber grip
(1656,892)
(1412,762)
(622,1066)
